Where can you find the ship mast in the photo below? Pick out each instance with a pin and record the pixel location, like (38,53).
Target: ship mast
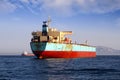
(49,20)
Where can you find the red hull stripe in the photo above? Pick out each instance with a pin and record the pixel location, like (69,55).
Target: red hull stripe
(64,54)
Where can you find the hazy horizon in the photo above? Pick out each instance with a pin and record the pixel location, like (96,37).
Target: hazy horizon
(96,21)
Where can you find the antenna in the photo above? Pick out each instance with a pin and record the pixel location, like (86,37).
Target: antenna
(86,42)
(49,20)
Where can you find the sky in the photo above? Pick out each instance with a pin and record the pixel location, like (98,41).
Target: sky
(97,21)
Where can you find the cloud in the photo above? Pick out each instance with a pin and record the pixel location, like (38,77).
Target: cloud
(98,6)
(78,6)
(83,6)
(6,6)
(62,6)
(25,1)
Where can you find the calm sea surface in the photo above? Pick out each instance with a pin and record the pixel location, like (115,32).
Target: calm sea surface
(31,68)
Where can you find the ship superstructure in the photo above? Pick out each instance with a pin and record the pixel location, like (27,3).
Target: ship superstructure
(51,35)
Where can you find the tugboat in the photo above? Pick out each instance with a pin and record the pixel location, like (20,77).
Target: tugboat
(25,53)
(51,43)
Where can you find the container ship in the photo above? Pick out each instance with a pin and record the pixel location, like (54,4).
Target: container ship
(51,43)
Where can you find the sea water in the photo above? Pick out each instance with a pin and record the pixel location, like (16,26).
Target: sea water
(31,68)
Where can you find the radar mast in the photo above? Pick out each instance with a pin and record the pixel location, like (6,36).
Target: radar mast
(49,20)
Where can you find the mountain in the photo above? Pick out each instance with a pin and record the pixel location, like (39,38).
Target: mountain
(101,50)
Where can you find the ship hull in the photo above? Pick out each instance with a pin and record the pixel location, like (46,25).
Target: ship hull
(64,54)
(55,50)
